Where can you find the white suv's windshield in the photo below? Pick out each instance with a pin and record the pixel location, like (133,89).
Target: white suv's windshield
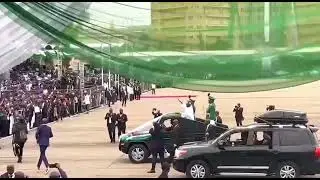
(146,126)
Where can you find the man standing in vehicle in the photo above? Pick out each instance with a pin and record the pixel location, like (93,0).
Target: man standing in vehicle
(19,131)
(188,111)
(122,120)
(111,124)
(238,110)
(192,102)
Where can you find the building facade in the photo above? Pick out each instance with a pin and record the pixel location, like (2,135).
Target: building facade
(202,26)
(197,25)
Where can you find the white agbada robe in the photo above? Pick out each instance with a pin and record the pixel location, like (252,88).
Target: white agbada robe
(11,119)
(105,85)
(187,111)
(87,99)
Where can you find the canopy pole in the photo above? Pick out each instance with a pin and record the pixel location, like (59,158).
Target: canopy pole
(267,21)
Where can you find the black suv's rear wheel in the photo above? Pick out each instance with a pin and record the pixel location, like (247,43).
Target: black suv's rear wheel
(138,153)
(287,169)
(198,169)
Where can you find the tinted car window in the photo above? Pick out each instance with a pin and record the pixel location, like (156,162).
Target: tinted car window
(146,126)
(294,138)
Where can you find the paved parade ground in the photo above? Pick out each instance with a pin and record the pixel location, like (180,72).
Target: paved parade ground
(81,145)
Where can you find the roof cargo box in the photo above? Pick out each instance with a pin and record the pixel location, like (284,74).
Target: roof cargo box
(282,117)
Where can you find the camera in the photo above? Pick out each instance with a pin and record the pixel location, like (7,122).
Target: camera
(270,107)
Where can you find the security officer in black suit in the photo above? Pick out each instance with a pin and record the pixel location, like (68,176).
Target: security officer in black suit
(175,140)
(122,121)
(157,145)
(111,124)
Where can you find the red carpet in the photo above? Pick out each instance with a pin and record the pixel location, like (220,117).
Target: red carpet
(155,96)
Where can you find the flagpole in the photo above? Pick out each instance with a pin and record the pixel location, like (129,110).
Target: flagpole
(101,68)
(109,75)
(267,21)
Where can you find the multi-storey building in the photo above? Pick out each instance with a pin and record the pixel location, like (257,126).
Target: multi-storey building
(200,25)
(197,25)
(307,20)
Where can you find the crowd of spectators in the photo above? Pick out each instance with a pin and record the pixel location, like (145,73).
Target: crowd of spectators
(37,91)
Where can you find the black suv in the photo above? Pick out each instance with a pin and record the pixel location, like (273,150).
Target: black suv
(279,144)
(137,142)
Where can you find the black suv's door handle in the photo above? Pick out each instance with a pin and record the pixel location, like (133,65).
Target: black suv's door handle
(275,152)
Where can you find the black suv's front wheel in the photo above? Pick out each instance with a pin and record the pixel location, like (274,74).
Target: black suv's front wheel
(287,169)
(198,169)
(138,153)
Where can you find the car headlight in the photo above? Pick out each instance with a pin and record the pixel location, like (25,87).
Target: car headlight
(180,152)
(121,136)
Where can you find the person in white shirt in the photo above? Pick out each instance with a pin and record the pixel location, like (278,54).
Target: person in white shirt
(45,91)
(29,86)
(187,110)
(37,114)
(153,88)
(87,102)
(130,92)
(105,85)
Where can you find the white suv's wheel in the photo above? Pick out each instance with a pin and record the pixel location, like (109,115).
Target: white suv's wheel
(198,169)
(287,170)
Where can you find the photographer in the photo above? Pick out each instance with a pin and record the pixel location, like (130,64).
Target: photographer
(238,110)
(55,174)
(270,107)
(156,113)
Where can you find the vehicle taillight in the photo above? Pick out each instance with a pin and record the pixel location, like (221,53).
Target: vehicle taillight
(317,152)
(180,152)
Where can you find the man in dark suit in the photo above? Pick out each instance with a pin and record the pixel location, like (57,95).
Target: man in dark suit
(238,110)
(111,124)
(174,142)
(9,173)
(19,132)
(138,92)
(43,135)
(157,145)
(122,120)
(108,96)
(124,95)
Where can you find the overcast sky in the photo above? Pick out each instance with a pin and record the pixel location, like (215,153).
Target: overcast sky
(133,16)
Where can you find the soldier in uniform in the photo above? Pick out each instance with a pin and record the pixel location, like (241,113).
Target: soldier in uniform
(111,124)
(211,110)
